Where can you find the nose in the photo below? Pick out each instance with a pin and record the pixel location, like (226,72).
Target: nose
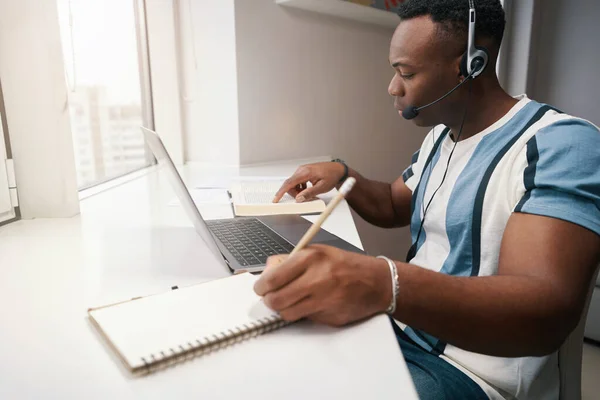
(395,88)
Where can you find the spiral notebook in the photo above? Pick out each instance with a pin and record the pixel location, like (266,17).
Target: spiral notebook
(154,332)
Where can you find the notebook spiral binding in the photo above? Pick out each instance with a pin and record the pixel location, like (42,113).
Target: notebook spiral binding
(208,344)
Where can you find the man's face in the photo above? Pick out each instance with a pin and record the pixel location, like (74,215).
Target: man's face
(425,68)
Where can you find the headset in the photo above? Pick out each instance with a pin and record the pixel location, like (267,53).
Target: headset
(473,63)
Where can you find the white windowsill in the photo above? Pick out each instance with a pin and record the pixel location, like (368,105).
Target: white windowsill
(91,191)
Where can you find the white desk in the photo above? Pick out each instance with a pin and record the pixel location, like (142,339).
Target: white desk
(127,242)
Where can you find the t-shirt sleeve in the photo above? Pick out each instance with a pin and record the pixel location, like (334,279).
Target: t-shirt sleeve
(412,174)
(408,176)
(561,178)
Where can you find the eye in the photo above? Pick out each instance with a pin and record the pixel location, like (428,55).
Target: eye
(407,76)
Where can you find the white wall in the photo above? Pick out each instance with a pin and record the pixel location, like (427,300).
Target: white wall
(209,89)
(567,58)
(35,95)
(310,85)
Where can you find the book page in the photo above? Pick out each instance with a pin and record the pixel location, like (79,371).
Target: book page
(262,192)
(143,328)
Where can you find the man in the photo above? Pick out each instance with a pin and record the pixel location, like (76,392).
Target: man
(503,200)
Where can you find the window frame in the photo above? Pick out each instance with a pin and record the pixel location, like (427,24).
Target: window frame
(141,22)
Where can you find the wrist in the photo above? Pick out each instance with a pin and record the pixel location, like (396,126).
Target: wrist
(345,171)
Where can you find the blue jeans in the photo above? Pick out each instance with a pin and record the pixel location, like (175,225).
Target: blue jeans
(434,378)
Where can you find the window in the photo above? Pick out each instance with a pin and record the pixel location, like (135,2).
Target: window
(109,95)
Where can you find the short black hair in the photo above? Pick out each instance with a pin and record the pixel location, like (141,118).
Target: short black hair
(453,16)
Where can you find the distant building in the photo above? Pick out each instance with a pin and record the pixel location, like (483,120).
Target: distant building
(106,137)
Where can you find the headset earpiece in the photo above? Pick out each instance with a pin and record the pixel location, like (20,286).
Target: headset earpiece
(479,61)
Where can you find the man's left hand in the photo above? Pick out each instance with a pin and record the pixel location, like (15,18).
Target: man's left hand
(326,285)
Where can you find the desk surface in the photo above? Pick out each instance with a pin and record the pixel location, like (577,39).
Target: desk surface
(128,242)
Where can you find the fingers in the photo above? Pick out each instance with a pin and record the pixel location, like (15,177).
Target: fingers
(280,273)
(301,176)
(289,295)
(311,192)
(297,189)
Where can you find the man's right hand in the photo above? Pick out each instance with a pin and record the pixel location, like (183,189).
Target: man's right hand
(323,176)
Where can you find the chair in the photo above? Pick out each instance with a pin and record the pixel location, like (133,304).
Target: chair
(570,354)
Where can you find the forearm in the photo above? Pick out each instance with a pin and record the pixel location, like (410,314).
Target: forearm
(372,200)
(507,316)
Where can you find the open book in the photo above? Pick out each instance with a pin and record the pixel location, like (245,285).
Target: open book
(252,198)
(154,332)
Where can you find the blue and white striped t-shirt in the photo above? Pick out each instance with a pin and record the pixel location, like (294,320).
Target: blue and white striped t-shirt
(534,160)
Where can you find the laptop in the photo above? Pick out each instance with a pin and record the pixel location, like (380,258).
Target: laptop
(244,243)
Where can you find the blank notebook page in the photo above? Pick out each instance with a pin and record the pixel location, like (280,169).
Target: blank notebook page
(149,325)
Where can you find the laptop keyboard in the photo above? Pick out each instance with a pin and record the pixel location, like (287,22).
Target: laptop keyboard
(248,240)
